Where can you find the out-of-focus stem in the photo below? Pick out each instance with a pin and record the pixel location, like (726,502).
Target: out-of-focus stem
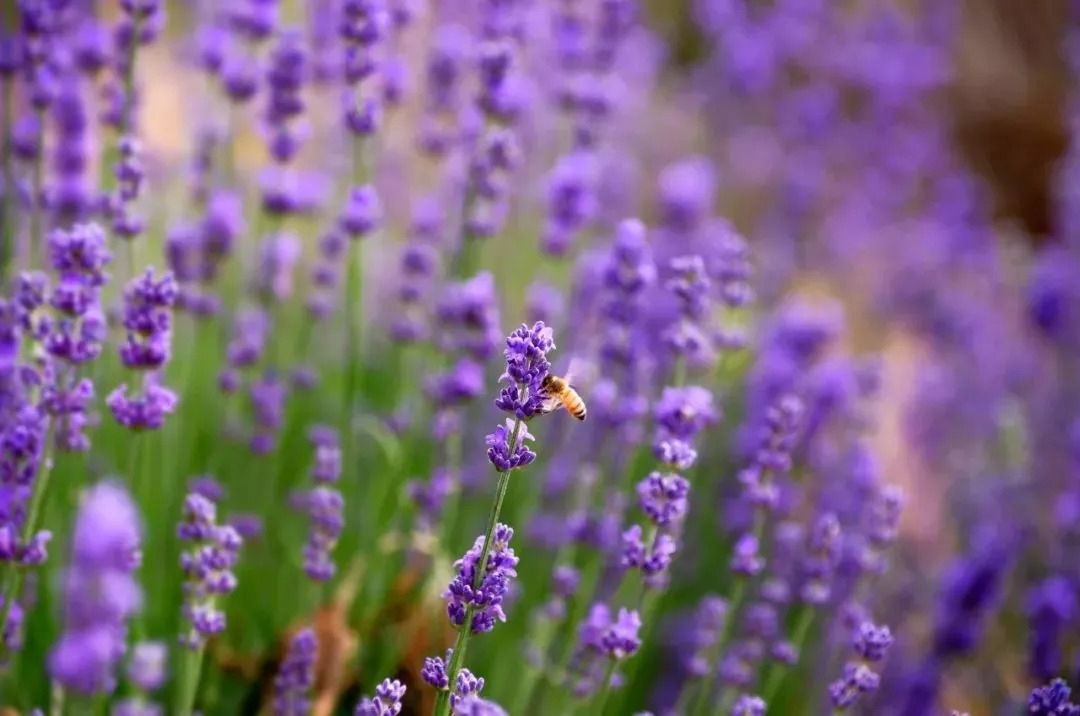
(776,672)
(734,607)
(605,689)
(442,705)
(37,221)
(192,668)
(7,231)
(354,303)
(56,699)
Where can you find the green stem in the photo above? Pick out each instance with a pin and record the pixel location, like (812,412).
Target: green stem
(777,671)
(605,689)
(185,702)
(734,606)
(457,660)
(37,221)
(7,231)
(56,700)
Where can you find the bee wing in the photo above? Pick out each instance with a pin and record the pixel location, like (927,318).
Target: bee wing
(551,404)
(580,373)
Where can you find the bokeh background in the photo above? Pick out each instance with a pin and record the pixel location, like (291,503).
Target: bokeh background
(902,173)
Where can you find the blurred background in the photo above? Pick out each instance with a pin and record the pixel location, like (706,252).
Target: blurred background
(903,174)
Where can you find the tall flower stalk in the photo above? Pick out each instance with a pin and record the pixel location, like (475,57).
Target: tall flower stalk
(475,594)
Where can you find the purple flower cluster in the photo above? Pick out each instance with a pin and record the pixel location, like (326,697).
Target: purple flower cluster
(22,446)
(387,701)
(526,367)
(475,595)
(363,27)
(324,506)
(296,675)
(603,640)
(466,686)
(1052,700)
(207,566)
(870,644)
(148,306)
(129,175)
(688,283)
(100,591)
(419,262)
(79,257)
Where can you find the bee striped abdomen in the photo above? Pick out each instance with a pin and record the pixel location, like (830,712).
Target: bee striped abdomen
(574,404)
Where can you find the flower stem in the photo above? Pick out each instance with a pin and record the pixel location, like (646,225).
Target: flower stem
(7,231)
(605,689)
(37,240)
(776,672)
(56,700)
(734,606)
(457,660)
(190,685)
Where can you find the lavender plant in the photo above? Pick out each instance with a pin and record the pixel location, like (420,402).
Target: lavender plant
(831,458)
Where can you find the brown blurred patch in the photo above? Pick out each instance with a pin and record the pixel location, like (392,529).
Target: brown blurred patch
(1009,104)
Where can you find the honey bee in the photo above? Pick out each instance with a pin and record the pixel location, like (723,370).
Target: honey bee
(561,394)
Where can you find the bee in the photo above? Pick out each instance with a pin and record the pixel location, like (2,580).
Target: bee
(561,394)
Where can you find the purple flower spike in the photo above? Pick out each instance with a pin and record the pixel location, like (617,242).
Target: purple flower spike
(362,214)
(747,705)
(434,671)
(526,367)
(207,565)
(292,687)
(486,597)
(1052,700)
(502,454)
(870,644)
(616,639)
(100,591)
(664,498)
(387,701)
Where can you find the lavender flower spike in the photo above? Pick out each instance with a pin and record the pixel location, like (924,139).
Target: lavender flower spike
(387,701)
(484,573)
(296,676)
(100,591)
(207,566)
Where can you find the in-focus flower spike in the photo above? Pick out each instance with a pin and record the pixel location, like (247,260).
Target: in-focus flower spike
(207,564)
(100,591)
(482,595)
(296,676)
(870,644)
(387,701)
(526,367)
(484,574)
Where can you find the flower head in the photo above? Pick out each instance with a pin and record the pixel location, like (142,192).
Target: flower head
(100,591)
(481,589)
